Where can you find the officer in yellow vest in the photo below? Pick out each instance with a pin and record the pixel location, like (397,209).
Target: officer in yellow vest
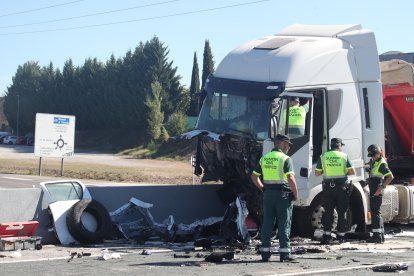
(280,191)
(335,166)
(379,177)
(297,117)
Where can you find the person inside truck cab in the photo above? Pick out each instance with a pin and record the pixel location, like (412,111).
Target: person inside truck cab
(379,177)
(335,166)
(297,117)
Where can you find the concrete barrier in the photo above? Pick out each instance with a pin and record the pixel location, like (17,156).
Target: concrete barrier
(185,202)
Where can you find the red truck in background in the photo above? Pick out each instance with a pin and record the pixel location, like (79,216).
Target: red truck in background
(397,77)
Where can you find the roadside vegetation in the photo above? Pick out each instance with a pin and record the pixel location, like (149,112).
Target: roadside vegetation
(90,171)
(132,105)
(139,95)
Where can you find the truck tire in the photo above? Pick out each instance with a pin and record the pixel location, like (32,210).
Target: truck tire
(307,220)
(78,230)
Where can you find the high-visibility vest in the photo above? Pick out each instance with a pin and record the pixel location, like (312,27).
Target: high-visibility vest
(375,168)
(297,116)
(272,167)
(334,164)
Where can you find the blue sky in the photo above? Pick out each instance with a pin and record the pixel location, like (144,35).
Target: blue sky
(78,29)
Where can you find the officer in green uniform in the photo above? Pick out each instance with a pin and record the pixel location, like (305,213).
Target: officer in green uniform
(280,191)
(297,117)
(335,166)
(379,177)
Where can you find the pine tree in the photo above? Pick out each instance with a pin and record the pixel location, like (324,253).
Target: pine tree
(194,87)
(208,68)
(154,115)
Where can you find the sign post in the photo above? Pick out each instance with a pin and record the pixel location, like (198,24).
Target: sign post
(54,137)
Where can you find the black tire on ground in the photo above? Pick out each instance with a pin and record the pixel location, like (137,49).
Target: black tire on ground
(79,231)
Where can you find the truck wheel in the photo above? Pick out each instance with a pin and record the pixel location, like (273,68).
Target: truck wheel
(78,229)
(310,219)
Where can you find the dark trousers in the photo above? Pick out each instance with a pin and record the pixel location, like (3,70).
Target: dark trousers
(277,207)
(335,197)
(375,204)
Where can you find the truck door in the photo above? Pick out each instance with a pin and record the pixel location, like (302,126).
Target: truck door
(295,119)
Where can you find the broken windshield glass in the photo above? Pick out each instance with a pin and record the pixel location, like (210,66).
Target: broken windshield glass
(226,113)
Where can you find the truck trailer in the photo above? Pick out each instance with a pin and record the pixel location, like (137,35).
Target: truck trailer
(335,71)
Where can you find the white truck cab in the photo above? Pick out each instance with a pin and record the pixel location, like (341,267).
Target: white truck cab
(334,70)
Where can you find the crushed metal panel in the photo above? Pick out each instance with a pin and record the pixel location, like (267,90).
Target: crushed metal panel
(135,221)
(59,210)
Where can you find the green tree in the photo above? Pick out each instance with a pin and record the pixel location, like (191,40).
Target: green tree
(164,135)
(102,95)
(157,68)
(23,97)
(194,87)
(208,68)
(177,124)
(155,116)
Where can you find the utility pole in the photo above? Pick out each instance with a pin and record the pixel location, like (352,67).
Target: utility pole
(18,113)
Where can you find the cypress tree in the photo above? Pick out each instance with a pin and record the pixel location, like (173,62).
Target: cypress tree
(154,115)
(208,68)
(194,87)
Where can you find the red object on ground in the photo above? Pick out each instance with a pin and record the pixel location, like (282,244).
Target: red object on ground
(18,229)
(250,224)
(399,101)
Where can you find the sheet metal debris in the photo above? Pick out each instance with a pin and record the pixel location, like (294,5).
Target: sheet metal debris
(390,267)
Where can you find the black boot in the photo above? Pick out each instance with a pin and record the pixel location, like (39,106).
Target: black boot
(286,258)
(265,256)
(376,238)
(341,239)
(326,239)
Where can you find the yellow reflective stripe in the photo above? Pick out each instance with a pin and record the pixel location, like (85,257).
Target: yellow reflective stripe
(333,177)
(256,173)
(274,181)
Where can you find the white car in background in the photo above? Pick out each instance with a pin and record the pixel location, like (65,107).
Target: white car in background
(10,140)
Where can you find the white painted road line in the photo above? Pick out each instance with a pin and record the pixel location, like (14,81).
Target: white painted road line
(17,178)
(338,269)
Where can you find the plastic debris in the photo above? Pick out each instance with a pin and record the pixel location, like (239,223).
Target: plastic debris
(185,256)
(390,267)
(146,252)
(217,257)
(105,255)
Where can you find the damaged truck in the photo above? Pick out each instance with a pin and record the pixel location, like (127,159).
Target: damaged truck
(335,71)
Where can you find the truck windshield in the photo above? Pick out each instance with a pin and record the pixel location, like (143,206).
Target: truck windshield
(225,113)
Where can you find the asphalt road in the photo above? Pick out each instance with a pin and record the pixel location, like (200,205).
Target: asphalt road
(346,259)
